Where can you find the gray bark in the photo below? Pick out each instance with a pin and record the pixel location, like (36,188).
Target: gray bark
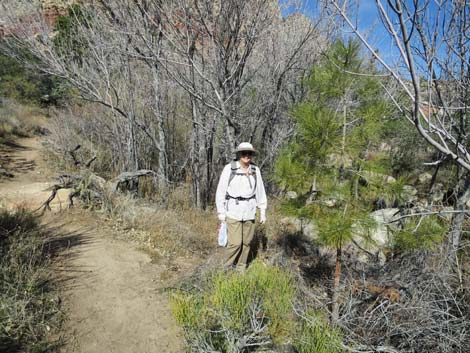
(463,197)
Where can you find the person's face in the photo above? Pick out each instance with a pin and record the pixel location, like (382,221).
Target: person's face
(246,156)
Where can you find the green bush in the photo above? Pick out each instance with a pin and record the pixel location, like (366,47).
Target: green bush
(316,336)
(421,233)
(238,312)
(26,85)
(28,309)
(247,312)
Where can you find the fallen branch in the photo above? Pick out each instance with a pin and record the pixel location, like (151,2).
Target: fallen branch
(90,186)
(127,177)
(427,214)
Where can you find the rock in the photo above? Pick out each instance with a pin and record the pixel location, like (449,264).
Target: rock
(379,239)
(410,190)
(291,194)
(449,215)
(295,225)
(437,193)
(330,203)
(291,224)
(424,178)
(385,147)
(409,194)
(384,218)
(309,229)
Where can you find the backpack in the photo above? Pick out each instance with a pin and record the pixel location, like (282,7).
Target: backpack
(233,172)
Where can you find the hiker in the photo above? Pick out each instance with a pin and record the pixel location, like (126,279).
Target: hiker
(239,192)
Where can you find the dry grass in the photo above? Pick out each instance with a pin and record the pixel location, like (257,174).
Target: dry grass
(175,229)
(19,120)
(165,232)
(29,309)
(407,305)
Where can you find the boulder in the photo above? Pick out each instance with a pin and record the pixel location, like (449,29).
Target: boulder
(378,240)
(384,219)
(295,225)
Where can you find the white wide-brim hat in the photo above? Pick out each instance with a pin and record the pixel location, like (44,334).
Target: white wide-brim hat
(245,146)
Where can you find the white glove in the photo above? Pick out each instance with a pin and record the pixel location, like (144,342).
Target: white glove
(221,217)
(262,216)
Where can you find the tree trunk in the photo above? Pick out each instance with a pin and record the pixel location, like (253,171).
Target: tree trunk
(133,157)
(196,174)
(336,281)
(463,196)
(230,141)
(162,155)
(209,179)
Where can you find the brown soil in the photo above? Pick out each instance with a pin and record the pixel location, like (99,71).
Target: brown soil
(111,292)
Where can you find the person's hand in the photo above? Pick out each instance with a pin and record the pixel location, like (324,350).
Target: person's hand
(221,217)
(262,217)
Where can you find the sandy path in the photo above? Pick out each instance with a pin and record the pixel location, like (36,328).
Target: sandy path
(111,291)
(29,185)
(113,299)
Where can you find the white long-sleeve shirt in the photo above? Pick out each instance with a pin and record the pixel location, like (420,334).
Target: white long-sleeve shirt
(242,185)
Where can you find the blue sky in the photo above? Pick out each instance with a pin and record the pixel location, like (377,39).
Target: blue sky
(369,24)
(367,21)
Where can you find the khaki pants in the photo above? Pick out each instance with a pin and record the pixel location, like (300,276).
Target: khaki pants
(239,236)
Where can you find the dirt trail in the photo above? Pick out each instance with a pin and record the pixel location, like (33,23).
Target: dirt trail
(28,185)
(111,291)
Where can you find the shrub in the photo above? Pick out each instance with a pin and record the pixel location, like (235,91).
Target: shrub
(238,312)
(423,233)
(317,337)
(27,85)
(28,310)
(248,312)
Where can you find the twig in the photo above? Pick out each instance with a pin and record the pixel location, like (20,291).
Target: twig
(427,214)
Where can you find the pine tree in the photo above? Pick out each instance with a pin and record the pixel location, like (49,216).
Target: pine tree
(330,163)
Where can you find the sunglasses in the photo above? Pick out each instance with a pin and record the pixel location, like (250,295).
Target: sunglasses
(246,153)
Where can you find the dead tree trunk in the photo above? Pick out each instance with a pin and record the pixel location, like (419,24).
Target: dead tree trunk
(463,196)
(196,158)
(162,155)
